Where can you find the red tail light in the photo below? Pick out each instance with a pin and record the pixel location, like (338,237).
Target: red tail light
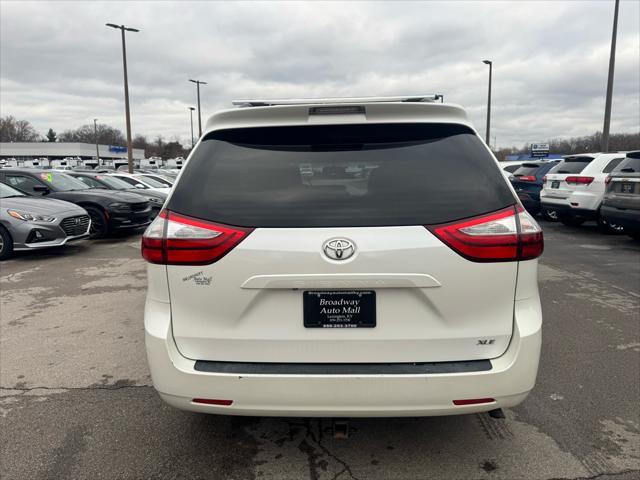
(174,239)
(607,180)
(579,180)
(526,178)
(507,235)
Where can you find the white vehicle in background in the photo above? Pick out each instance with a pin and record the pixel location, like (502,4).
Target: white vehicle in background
(322,258)
(67,163)
(575,188)
(151,163)
(175,162)
(141,181)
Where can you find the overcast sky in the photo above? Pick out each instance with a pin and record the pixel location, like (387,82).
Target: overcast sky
(60,67)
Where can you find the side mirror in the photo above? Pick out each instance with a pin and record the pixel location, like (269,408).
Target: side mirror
(43,189)
(140,186)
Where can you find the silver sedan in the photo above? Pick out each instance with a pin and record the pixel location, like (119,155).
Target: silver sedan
(28,223)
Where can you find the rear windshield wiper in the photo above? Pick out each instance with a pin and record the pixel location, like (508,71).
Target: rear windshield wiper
(563,171)
(628,170)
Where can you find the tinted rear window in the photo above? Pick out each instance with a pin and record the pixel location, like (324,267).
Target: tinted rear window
(338,176)
(527,169)
(630,165)
(571,165)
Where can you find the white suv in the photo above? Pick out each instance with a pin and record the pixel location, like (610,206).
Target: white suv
(354,257)
(575,187)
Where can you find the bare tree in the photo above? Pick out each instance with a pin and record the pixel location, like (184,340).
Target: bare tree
(12,130)
(85,134)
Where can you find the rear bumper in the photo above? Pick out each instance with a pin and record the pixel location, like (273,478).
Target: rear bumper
(568,210)
(121,221)
(584,202)
(508,382)
(628,218)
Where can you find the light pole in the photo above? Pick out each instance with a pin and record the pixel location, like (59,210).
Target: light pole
(122,29)
(612,64)
(488,133)
(95,135)
(191,109)
(198,83)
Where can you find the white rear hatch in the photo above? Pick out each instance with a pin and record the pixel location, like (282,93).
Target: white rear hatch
(247,238)
(564,179)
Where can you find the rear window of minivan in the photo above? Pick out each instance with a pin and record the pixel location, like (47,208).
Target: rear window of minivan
(571,165)
(340,176)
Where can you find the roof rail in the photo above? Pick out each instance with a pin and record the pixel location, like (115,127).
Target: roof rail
(338,100)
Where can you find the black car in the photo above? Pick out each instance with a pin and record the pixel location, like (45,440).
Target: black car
(527,180)
(97,180)
(109,210)
(621,203)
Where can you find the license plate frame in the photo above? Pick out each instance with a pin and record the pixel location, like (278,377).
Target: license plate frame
(342,308)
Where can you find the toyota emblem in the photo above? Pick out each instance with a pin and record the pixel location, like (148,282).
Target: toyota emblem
(339,249)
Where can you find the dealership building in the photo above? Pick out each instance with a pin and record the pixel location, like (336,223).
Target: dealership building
(18,154)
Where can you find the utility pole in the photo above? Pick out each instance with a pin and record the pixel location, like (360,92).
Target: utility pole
(191,109)
(612,64)
(126,91)
(95,135)
(198,83)
(488,132)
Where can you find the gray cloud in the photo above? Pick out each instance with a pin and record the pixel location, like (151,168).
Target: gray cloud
(60,66)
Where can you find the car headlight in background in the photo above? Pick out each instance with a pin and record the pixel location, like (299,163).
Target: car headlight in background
(30,217)
(120,207)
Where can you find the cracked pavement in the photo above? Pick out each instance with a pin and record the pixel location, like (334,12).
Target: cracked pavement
(76,399)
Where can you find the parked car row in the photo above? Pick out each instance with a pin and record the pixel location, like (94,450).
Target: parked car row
(604,187)
(47,208)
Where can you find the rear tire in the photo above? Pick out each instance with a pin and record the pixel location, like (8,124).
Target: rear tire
(99,223)
(609,227)
(550,214)
(635,234)
(6,244)
(570,221)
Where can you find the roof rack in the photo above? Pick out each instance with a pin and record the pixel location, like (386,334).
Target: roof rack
(431,98)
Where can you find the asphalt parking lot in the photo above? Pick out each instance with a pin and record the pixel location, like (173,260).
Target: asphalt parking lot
(77,402)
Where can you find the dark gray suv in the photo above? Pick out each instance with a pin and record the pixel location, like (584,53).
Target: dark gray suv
(621,204)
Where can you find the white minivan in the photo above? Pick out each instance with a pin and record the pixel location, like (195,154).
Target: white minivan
(342,257)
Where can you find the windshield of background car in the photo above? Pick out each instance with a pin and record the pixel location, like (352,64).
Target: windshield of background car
(114,182)
(152,182)
(165,183)
(340,175)
(571,165)
(628,165)
(6,191)
(62,182)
